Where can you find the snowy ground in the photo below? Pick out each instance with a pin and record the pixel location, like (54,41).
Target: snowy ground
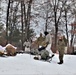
(24,64)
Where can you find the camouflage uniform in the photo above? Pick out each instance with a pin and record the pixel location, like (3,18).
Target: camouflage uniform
(61,46)
(45,42)
(44,54)
(27,46)
(37,43)
(47,51)
(40,40)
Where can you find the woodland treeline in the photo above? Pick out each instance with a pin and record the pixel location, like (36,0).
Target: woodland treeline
(21,16)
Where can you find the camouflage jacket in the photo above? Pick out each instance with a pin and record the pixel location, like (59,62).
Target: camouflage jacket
(61,45)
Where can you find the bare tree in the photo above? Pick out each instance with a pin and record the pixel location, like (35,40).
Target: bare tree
(7,20)
(57,10)
(22,22)
(28,17)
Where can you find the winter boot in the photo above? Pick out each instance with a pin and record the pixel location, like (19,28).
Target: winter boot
(50,57)
(36,58)
(61,62)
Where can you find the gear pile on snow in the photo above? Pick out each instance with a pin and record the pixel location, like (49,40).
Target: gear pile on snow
(11,50)
(8,50)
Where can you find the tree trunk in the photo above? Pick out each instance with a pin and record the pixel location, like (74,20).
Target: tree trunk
(7,21)
(66,31)
(56,31)
(25,20)
(22,22)
(28,18)
(71,42)
(56,27)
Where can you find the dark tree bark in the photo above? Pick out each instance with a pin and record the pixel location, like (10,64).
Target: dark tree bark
(22,22)
(28,18)
(7,21)
(25,21)
(56,25)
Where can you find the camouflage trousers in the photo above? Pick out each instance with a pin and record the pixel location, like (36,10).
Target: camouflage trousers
(44,54)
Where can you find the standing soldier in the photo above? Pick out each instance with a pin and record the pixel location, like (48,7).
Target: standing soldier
(61,48)
(27,45)
(40,39)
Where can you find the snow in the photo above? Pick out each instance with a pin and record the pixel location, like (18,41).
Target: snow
(24,64)
(2,48)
